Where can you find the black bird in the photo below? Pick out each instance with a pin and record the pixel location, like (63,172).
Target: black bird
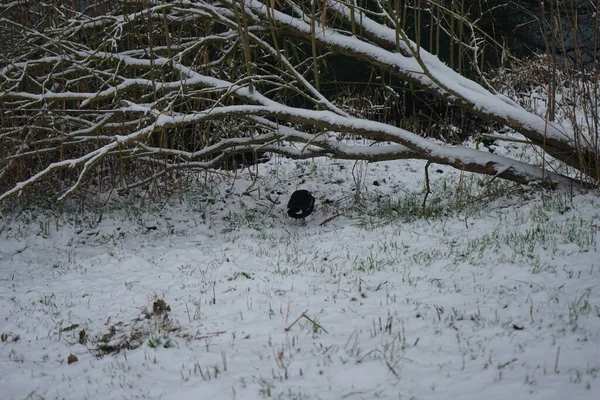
(301,204)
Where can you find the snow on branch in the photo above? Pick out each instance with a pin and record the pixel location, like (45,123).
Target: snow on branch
(173,86)
(428,71)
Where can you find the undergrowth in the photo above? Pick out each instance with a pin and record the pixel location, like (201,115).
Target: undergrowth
(448,198)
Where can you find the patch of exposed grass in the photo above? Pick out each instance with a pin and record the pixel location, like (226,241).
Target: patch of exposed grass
(448,198)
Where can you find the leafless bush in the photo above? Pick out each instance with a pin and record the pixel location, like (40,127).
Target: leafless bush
(129,93)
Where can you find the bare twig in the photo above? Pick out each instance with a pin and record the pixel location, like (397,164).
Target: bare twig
(427,188)
(303,315)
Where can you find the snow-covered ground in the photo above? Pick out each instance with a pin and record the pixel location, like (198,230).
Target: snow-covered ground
(217,294)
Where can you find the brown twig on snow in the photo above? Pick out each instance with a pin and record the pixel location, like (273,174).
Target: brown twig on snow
(303,315)
(327,220)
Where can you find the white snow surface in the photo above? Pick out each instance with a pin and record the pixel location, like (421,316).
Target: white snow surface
(497,300)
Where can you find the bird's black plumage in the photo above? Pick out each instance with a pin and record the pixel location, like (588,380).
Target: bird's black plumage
(301,204)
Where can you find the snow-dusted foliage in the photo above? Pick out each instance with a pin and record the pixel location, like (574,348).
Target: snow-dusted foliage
(161,86)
